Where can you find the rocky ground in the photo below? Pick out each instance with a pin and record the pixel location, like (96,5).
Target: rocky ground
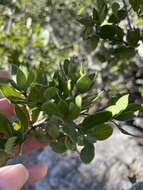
(117,159)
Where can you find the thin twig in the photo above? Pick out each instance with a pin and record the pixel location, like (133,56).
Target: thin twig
(126,132)
(39,122)
(42,124)
(36,125)
(56,41)
(127,15)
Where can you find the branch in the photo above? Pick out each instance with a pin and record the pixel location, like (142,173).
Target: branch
(41,124)
(124,131)
(127,15)
(56,42)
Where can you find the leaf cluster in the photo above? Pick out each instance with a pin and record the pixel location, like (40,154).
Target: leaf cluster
(56,109)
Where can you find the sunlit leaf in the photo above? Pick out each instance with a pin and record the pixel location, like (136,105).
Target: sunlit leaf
(120,105)
(84,83)
(78,101)
(16,126)
(123,102)
(9,92)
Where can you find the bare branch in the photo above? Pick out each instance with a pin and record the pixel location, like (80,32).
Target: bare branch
(127,15)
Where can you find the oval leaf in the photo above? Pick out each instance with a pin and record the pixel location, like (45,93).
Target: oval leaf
(9,146)
(123,102)
(21,80)
(101,132)
(84,83)
(74,111)
(96,119)
(23,118)
(87,153)
(50,92)
(9,92)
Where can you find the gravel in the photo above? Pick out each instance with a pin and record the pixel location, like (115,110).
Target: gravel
(117,159)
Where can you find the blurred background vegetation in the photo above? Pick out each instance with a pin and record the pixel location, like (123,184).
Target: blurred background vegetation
(41,34)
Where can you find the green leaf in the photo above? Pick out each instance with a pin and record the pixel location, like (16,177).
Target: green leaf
(115,7)
(31,77)
(42,136)
(102,10)
(101,132)
(133,107)
(107,31)
(35,114)
(86,20)
(117,17)
(63,88)
(66,66)
(100,4)
(119,33)
(14,85)
(84,83)
(113,19)
(10,92)
(41,77)
(123,102)
(74,111)
(97,97)
(59,146)
(113,109)
(111,32)
(124,52)
(78,101)
(96,17)
(16,126)
(5,126)
(23,118)
(96,119)
(35,95)
(63,107)
(101,57)
(21,80)
(133,37)
(120,105)
(53,131)
(69,144)
(87,153)
(121,15)
(94,39)
(80,140)
(9,146)
(50,92)
(125,116)
(50,108)
(103,13)
(70,130)
(135,4)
